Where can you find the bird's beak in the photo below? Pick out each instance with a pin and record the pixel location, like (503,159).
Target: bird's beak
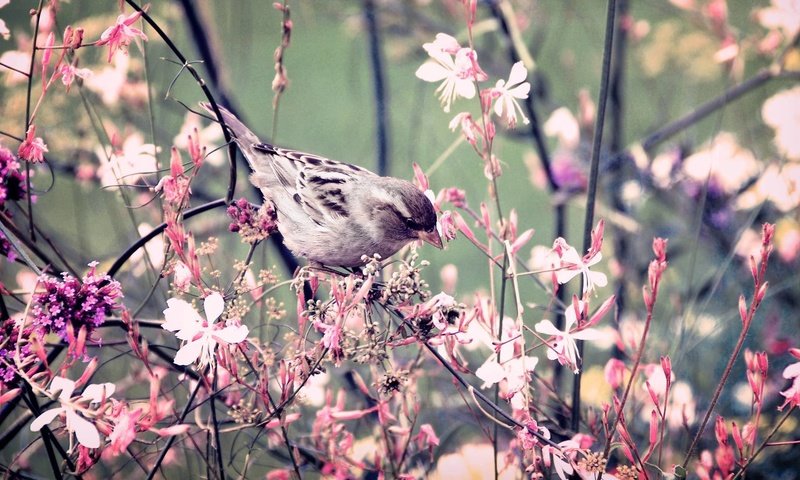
(431,237)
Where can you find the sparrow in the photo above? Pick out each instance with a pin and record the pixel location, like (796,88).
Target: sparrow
(330,212)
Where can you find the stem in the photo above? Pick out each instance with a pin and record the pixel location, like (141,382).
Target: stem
(592,190)
(765,443)
(634,370)
(480,396)
(704,110)
(120,261)
(379,81)
(718,391)
(28,116)
(46,434)
(202,84)
(171,440)
(217,441)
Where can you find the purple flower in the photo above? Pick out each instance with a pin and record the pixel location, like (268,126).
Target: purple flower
(12,180)
(253,224)
(9,336)
(80,303)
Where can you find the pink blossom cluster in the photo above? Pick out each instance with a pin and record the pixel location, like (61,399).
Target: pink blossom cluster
(251,222)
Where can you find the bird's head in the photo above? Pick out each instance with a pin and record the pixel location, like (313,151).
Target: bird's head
(405,213)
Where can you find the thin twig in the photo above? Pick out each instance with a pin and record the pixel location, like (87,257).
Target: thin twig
(202,84)
(172,438)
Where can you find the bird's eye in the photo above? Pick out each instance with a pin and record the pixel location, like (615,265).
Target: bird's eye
(410,223)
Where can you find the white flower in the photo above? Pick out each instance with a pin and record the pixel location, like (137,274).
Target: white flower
(564,348)
(127,165)
(783,15)
(458,74)
(572,265)
(201,336)
(563,125)
(509,92)
(84,430)
(782,112)
(556,458)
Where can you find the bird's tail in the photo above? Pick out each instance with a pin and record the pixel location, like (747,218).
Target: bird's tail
(246,140)
(242,134)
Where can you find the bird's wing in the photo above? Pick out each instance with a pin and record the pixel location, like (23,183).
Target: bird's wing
(319,185)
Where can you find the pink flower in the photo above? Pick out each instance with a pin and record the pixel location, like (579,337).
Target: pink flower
(68,73)
(469,128)
(508,93)
(124,431)
(458,74)
(119,36)
(126,165)
(563,125)
(32,148)
(84,430)
(573,265)
(564,347)
(792,372)
(426,438)
(780,112)
(783,15)
(202,336)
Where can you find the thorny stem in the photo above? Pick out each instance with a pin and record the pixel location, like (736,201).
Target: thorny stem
(591,193)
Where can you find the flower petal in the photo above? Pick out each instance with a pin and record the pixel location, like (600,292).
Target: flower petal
(587,334)
(214,305)
(232,334)
(96,392)
(45,418)
(546,326)
(490,372)
(87,433)
(518,74)
(64,385)
(432,71)
(188,354)
(179,314)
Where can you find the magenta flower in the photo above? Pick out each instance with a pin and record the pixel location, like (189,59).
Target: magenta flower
(119,36)
(253,224)
(70,304)
(12,180)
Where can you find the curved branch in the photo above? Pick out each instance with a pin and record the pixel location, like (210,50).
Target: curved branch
(120,261)
(202,84)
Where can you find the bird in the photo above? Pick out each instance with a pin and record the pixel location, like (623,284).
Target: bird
(330,212)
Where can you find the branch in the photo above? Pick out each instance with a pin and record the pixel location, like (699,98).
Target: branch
(591,194)
(379,81)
